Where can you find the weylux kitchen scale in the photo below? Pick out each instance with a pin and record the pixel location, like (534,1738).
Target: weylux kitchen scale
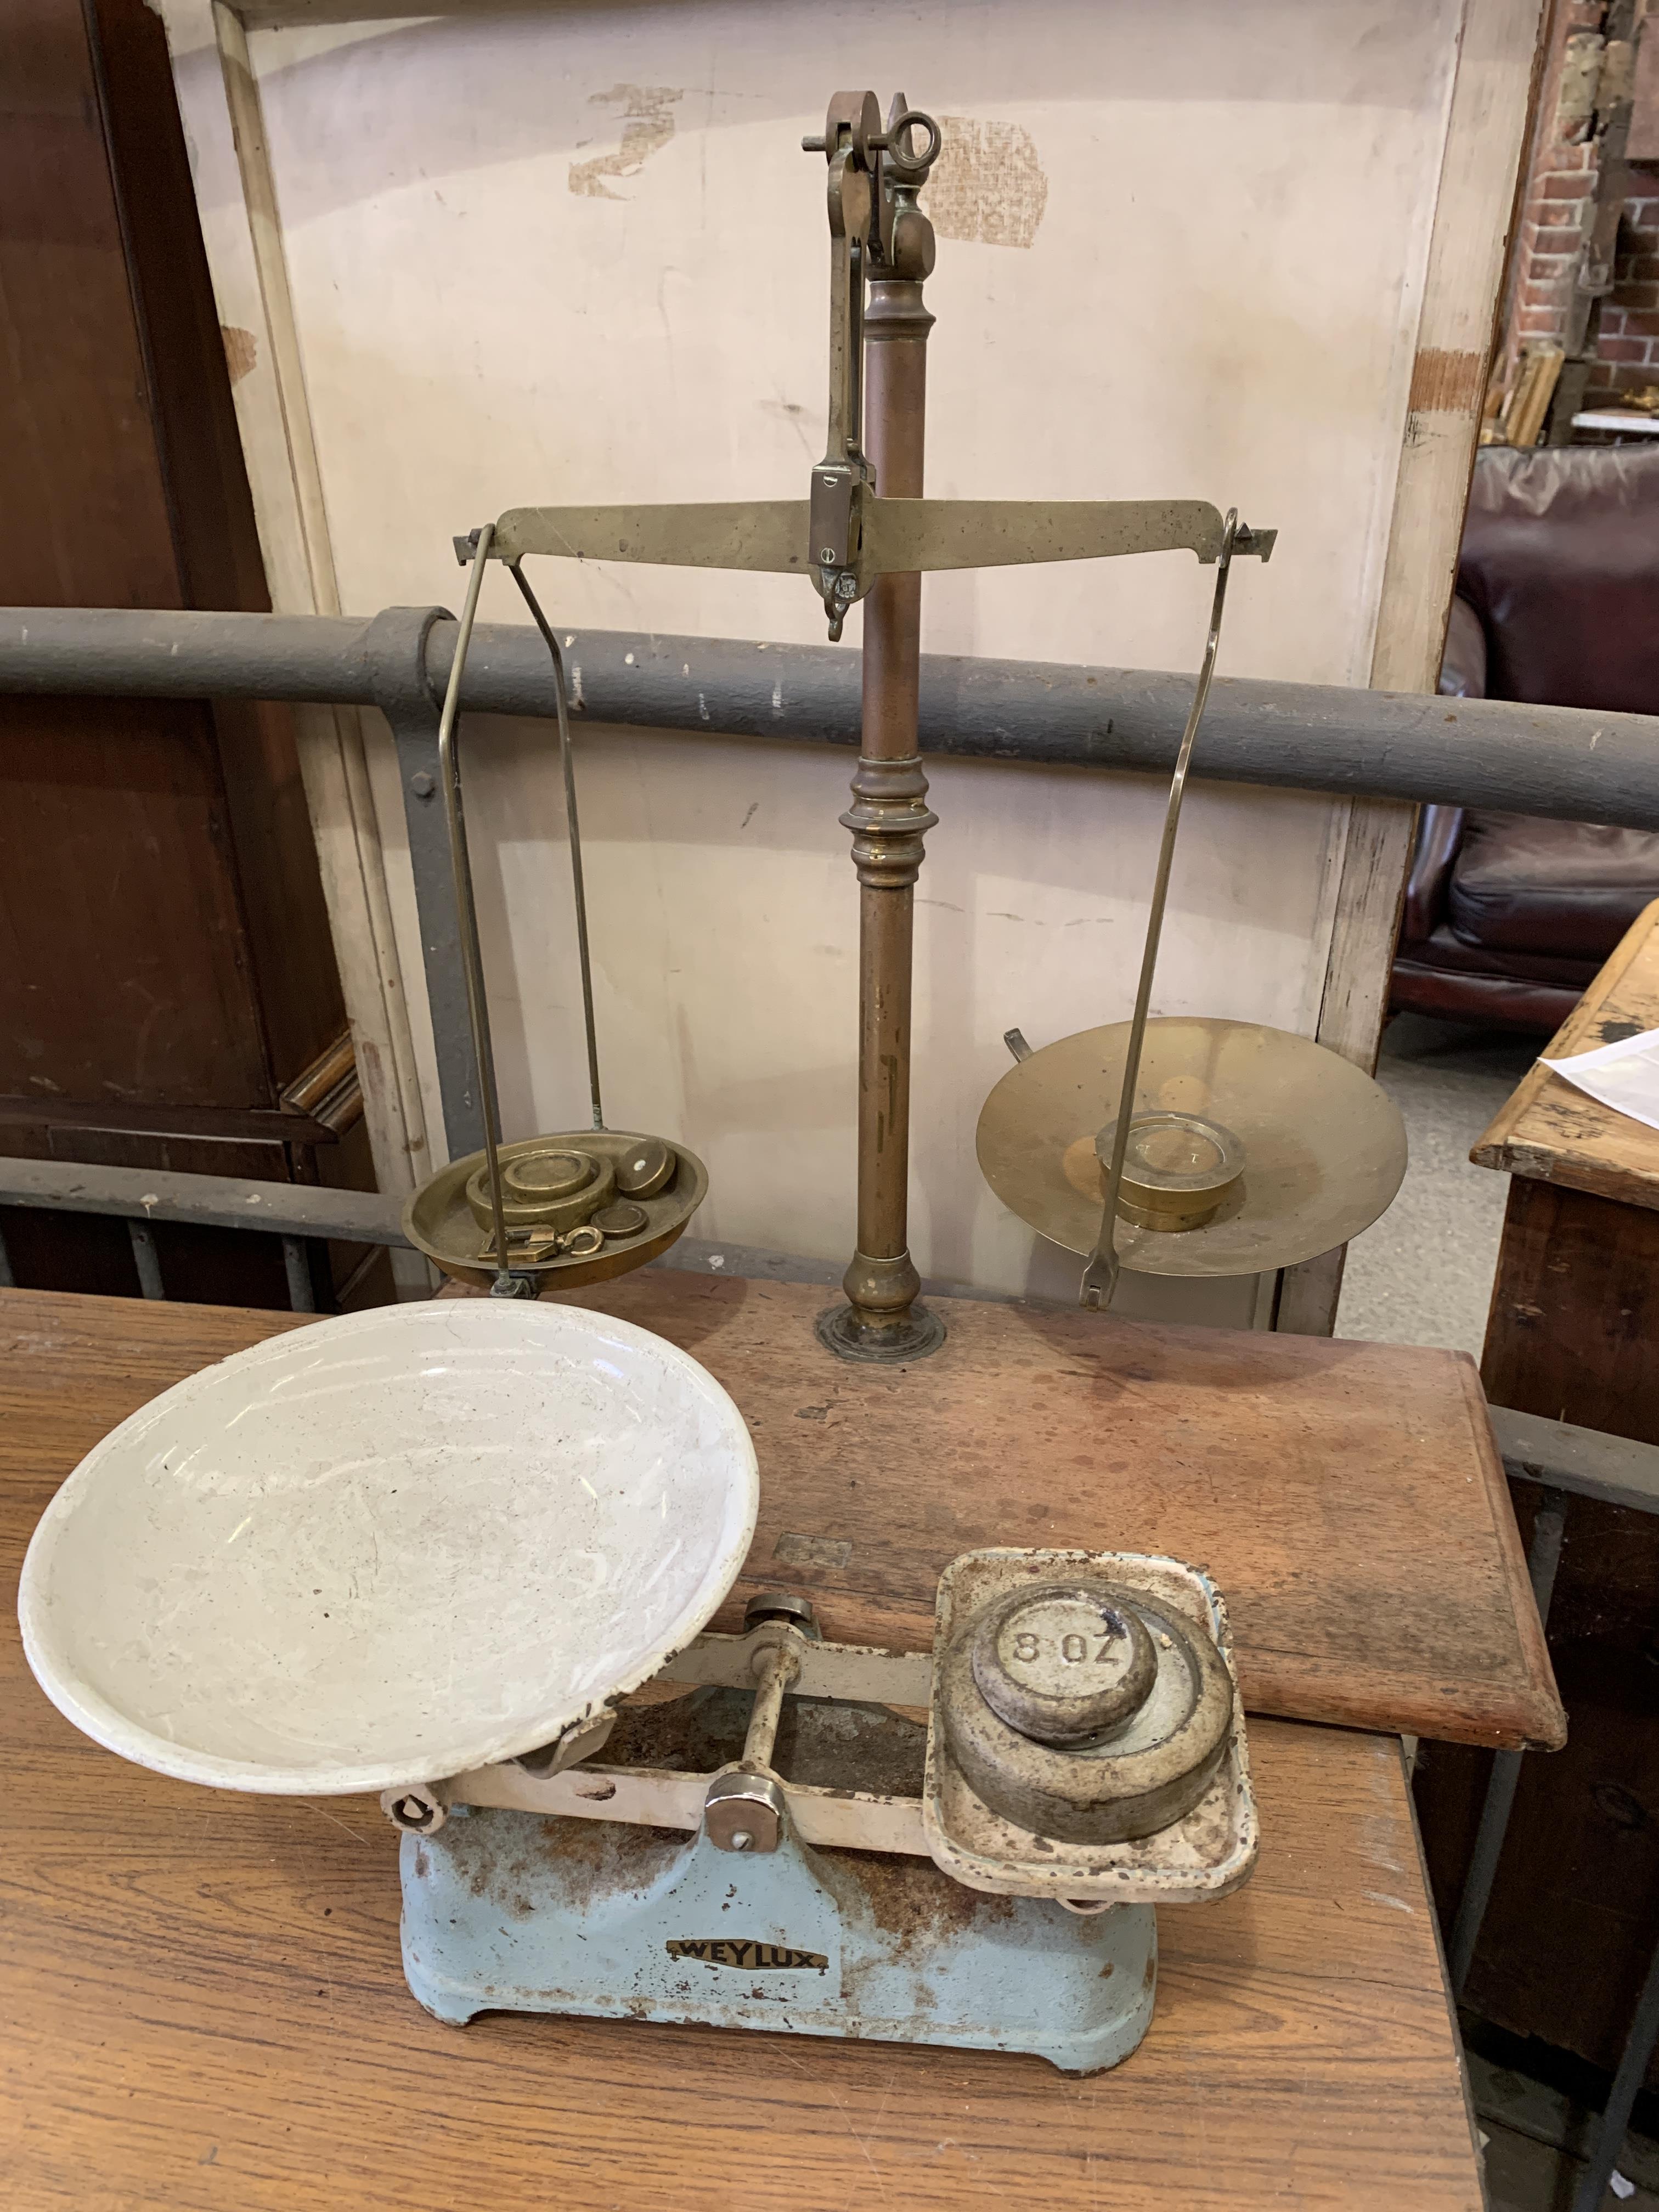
(465,1553)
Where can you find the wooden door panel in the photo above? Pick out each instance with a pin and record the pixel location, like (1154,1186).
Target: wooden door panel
(123,957)
(87,514)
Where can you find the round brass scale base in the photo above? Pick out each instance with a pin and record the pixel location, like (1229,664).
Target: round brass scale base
(837,1329)
(1324,1146)
(618,1198)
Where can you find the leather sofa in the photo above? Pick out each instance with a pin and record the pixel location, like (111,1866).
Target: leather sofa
(1507,918)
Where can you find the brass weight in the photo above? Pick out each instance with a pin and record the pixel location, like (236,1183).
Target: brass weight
(636,1201)
(1179,1170)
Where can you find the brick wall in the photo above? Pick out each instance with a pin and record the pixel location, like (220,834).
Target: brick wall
(1627,349)
(1557,207)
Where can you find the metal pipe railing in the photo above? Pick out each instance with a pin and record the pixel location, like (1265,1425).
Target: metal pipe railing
(299,1213)
(1557,761)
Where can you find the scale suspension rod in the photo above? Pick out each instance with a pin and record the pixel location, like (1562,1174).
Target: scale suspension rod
(1100,1277)
(566,760)
(506,1285)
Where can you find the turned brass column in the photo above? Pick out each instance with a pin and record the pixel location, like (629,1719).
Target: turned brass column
(889,819)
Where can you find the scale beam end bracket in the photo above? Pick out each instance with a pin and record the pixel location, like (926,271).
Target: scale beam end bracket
(1260,543)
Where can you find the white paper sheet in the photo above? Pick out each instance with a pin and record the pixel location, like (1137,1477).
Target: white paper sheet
(1624,1075)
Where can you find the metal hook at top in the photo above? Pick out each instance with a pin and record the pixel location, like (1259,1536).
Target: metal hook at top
(1100,1276)
(894,140)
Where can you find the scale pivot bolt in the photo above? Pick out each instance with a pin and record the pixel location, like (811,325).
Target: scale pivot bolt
(744,1811)
(421,1811)
(782,1605)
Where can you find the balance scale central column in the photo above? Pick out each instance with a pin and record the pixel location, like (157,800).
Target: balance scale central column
(889,819)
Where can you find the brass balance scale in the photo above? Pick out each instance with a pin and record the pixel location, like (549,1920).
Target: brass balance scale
(442,1552)
(1234,1149)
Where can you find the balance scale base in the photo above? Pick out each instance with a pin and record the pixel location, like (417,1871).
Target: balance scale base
(518,1912)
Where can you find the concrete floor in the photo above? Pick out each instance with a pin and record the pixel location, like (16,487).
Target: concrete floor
(1423,1274)
(1537,2144)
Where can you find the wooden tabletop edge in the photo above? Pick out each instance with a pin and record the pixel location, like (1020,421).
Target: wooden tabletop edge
(1566,1041)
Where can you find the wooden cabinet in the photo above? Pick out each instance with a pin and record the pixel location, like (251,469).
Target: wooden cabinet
(1573,1335)
(165,969)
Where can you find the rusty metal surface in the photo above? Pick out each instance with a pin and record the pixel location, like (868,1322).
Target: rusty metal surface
(1166,1728)
(1207,1851)
(505,1910)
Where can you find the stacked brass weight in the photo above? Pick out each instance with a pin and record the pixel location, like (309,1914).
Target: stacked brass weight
(560,1211)
(580,1207)
(1179,1170)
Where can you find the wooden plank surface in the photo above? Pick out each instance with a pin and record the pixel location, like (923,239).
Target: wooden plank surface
(1347,1497)
(1573,1332)
(1550,1131)
(205,2010)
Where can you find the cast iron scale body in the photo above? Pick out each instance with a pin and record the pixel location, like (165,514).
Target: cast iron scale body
(783,1850)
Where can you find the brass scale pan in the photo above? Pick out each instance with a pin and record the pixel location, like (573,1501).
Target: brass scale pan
(1189,1146)
(551,1211)
(1324,1146)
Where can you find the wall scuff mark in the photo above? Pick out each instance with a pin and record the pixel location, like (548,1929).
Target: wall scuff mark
(241,350)
(647,126)
(988,188)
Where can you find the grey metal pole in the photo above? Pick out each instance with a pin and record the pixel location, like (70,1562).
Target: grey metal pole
(1633,2063)
(396,652)
(1558,762)
(1542,1560)
(141,1238)
(301,1298)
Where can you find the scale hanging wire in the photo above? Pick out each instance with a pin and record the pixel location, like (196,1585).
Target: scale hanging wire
(506,1284)
(1100,1277)
(568,762)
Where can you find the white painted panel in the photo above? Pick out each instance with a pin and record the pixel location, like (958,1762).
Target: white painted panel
(577,256)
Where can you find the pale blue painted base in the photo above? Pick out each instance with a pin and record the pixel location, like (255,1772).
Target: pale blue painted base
(510,1912)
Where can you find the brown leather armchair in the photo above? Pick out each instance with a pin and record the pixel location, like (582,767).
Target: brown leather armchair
(1507,918)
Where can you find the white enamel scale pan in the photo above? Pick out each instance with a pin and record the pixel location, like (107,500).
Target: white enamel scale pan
(389,1547)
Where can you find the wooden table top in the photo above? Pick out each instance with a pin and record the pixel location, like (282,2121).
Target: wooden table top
(205,2009)
(1348,1497)
(1551,1131)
